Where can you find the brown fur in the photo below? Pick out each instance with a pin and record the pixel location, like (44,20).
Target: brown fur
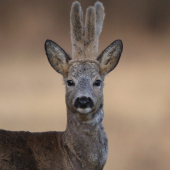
(83,145)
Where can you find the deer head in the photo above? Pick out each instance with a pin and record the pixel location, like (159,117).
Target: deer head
(84,72)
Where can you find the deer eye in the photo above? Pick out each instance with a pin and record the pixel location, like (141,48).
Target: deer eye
(97,83)
(70,83)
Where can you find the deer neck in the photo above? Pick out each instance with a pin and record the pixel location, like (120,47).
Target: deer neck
(86,140)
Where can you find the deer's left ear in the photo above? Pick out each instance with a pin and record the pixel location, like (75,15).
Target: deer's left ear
(109,58)
(57,57)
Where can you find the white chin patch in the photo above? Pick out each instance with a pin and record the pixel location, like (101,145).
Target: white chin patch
(84,111)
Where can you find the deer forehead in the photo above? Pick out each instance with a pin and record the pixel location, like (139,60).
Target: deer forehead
(83,69)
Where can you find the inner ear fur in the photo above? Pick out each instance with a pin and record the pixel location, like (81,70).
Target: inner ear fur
(109,58)
(57,57)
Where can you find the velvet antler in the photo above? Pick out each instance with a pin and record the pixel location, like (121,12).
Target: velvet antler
(85,41)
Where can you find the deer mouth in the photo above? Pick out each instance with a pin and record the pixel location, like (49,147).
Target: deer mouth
(84,110)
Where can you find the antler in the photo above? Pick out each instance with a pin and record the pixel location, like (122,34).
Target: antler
(77,30)
(85,42)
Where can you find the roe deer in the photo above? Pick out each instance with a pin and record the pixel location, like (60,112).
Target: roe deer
(83,145)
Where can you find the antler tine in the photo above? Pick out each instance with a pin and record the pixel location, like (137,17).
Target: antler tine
(100,15)
(90,42)
(93,27)
(77,30)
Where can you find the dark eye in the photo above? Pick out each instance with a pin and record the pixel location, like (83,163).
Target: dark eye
(70,83)
(97,83)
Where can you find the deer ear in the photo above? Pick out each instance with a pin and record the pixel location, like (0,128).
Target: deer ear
(109,58)
(57,57)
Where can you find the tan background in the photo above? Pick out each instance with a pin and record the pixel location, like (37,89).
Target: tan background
(136,93)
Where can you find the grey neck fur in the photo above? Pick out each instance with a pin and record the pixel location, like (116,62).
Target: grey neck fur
(86,141)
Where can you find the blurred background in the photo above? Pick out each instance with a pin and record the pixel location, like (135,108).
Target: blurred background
(136,93)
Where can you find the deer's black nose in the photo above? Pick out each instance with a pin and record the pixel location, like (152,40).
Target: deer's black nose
(83,102)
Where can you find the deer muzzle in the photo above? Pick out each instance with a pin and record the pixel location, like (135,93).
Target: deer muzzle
(84,104)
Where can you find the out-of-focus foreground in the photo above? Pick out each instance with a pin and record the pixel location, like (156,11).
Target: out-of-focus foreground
(136,93)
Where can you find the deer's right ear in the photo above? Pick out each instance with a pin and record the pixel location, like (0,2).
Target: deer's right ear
(57,57)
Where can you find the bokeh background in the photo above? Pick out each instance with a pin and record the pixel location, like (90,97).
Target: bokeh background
(136,93)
